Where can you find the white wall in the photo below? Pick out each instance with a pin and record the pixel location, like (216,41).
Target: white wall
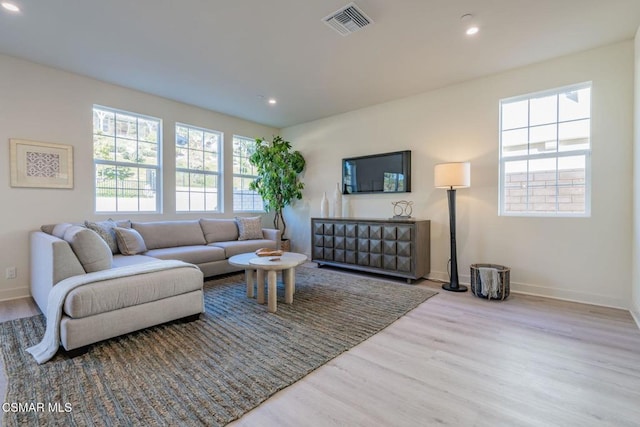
(44,104)
(635,259)
(582,259)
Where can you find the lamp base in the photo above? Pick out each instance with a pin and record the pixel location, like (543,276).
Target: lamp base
(459,288)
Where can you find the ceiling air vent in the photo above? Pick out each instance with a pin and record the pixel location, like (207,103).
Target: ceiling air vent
(347,20)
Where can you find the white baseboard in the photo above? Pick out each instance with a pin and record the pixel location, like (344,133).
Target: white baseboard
(14,293)
(569,295)
(547,292)
(441,276)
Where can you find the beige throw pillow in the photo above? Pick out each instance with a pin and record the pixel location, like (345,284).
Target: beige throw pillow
(93,253)
(130,242)
(249,228)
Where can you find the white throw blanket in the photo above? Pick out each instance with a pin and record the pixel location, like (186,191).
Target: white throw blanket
(489,281)
(50,343)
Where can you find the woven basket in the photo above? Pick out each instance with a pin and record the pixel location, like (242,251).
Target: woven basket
(503,274)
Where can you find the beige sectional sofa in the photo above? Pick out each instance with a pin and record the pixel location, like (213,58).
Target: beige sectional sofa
(121,303)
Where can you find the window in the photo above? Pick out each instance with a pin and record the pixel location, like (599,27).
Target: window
(244,200)
(126,157)
(198,169)
(545,152)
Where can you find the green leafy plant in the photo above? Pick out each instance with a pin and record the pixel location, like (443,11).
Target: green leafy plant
(278,168)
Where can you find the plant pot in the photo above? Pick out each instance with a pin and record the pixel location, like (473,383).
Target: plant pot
(285,245)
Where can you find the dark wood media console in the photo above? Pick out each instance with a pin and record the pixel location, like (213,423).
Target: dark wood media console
(396,247)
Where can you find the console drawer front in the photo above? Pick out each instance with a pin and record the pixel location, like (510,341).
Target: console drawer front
(397,247)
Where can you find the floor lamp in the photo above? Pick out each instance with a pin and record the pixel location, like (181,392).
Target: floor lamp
(452,176)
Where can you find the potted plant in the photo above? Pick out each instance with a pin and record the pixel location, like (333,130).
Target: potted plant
(278,167)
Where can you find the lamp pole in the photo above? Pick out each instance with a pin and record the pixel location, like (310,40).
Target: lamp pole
(453,285)
(452,176)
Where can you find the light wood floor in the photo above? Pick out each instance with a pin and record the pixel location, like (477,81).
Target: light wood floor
(462,361)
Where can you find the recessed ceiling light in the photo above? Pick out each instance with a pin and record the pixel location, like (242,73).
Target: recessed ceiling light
(472,30)
(272,101)
(10,7)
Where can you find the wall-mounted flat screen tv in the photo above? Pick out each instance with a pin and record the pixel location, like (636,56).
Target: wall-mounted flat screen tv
(377,173)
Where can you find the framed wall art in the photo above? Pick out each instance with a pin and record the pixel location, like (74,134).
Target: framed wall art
(41,164)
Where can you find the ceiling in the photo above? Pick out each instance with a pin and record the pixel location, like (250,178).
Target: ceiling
(231,56)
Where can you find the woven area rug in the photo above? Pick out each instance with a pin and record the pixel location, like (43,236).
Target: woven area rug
(207,372)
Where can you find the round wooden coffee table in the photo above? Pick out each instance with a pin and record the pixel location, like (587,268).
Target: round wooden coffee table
(287,262)
(242,260)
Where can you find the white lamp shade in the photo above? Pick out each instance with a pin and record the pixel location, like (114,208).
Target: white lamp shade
(452,175)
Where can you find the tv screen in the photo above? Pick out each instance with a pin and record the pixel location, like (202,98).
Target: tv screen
(377,173)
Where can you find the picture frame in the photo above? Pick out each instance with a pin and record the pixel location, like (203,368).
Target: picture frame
(41,164)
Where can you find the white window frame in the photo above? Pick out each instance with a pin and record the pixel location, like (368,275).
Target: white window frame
(547,155)
(244,176)
(219,173)
(115,163)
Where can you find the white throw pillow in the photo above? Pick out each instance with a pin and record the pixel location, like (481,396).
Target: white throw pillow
(249,228)
(59,229)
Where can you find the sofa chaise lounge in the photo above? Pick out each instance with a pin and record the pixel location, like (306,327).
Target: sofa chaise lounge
(132,278)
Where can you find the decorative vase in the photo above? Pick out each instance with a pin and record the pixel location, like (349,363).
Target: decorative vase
(324,206)
(337,202)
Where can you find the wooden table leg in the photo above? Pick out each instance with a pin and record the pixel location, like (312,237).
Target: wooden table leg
(260,285)
(272,293)
(248,276)
(289,278)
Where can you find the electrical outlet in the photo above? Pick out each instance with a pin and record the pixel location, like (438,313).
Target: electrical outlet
(10,273)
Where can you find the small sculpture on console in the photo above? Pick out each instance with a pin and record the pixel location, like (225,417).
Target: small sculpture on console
(402,209)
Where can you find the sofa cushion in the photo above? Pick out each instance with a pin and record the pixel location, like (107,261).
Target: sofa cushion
(249,228)
(130,242)
(120,260)
(192,254)
(236,247)
(114,294)
(92,252)
(169,234)
(219,230)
